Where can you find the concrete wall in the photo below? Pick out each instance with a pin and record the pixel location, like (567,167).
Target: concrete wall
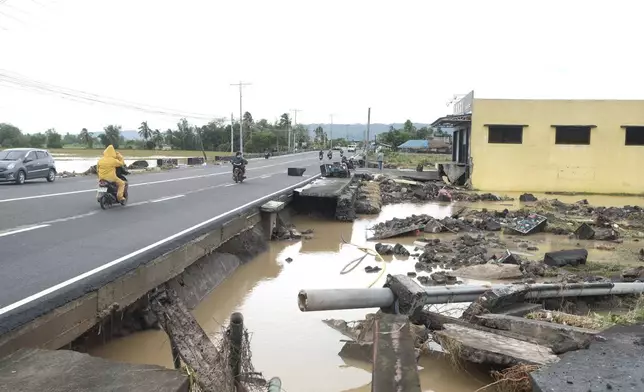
(66,323)
(607,165)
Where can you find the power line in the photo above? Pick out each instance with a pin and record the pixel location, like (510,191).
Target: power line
(14,80)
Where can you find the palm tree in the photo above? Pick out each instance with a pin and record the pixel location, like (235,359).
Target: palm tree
(86,138)
(144,131)
(157,138)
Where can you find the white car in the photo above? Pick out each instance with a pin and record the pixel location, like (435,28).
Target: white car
(351,148)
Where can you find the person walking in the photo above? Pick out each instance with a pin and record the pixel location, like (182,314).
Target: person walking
(381,157)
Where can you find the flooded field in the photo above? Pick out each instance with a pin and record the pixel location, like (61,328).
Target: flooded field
(298,347)
(81,165)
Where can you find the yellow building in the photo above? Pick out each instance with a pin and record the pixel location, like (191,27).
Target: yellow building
(551,145)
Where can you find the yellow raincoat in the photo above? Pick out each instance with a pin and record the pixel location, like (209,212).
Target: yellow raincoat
(106,168)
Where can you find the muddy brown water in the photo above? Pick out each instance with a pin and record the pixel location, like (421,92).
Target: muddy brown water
(298,347)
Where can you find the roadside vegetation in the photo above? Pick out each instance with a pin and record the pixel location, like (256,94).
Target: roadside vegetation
(404,160)
(132,153)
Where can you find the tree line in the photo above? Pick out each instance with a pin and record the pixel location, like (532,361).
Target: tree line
(395,137)
(258,136)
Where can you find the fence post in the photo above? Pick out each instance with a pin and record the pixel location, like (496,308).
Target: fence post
(236,341)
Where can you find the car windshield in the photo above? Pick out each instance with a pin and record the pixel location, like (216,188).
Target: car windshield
(12,155)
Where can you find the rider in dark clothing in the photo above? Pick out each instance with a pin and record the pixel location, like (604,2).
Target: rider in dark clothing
(239,161)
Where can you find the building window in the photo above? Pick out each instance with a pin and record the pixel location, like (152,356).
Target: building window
(505,134)
(572,135)
(634,136)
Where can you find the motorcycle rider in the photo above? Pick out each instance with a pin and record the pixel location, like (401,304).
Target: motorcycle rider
(239,161)
(106,168)
(321,154)
(330,154)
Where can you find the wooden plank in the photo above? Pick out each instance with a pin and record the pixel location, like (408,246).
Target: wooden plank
(394,358)
(195,348)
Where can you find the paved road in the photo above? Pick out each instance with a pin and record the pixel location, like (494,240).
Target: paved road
(51,233)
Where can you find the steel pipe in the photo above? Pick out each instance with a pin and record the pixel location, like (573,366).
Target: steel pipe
(336,299)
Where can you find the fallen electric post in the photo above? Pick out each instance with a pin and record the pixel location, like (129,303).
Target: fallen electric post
(338,299)
(491,331)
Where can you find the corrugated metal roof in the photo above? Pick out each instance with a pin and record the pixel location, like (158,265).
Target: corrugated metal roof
(418,144)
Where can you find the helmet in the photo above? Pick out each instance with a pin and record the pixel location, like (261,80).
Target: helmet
(238,153)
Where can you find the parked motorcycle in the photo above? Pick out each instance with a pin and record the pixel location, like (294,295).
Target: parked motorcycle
(238,174)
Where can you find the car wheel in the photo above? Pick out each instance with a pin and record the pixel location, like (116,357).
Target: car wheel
(51,176)
(21,177)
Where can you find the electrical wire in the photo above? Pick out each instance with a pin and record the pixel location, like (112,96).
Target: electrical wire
(14,80)
(353,264)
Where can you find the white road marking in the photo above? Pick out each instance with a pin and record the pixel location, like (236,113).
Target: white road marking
(166,198)
(227,185)
(140,184)
(112,263)
(7,233)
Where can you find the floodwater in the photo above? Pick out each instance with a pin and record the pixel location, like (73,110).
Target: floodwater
(75,164)
(81,165)
(297,346)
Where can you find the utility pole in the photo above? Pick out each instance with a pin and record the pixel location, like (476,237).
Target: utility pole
(241,114)
(331,132)
(232,135)
(295,123)
(366,151)
(346,130)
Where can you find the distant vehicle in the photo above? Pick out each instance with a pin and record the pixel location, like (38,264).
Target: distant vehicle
(337,148)
(21,164)
(351,148)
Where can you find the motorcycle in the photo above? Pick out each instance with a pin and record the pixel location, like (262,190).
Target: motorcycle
(330,155)
(321,155)
(238,174)
(268,154)
(106,192)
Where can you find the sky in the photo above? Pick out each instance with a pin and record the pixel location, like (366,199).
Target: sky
(404,59)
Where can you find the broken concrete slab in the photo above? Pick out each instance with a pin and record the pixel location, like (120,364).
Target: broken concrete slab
(359,331)
(296,171)
(394,357)
(489,271)
(561,258)
(35,370)
(488,348)
(585,232)
(494,300)
(560,338)
(396,232)
(359,351)
(614,363)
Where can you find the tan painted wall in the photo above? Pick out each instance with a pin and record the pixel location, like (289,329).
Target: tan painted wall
(604,166)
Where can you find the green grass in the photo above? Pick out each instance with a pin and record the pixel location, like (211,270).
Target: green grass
(632,313)
(127,153)
(408,160)
(606,270)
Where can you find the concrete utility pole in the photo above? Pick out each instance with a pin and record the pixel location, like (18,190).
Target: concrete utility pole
(366,151)
(232,135)
(346,130)
(295,123)
(331,132)
(241,114)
